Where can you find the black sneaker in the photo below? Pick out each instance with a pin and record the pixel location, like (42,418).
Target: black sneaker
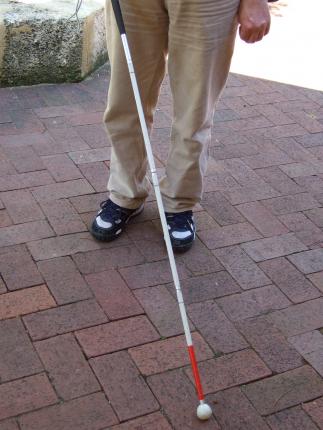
(111,220)
(182,229)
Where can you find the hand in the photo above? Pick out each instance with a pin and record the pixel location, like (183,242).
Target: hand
(254,20)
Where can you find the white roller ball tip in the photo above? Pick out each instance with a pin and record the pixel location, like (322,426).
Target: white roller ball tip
(204,412)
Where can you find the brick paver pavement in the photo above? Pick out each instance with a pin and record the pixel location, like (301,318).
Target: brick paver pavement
(90,335)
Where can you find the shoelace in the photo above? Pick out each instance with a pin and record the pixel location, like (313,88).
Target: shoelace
(110,209)
(180,220)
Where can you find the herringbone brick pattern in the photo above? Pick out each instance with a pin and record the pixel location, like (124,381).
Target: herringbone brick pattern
(90,335)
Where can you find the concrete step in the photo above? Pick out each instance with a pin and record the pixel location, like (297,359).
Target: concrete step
(42,42)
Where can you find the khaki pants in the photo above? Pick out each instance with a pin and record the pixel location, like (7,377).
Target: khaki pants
(198,37)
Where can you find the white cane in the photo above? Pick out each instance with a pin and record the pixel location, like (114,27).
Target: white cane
(204,411)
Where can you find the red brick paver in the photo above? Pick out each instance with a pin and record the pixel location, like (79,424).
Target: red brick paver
(26,394)
(113,295)
(300,318)
(15,344)
(215,327)
(315,411)
(129,394)
(67,368)
(63,217)
(9,425)
(168,354)
(290,419)
(234,411)
(289,280)
(17,268)
(64,280)
(21,206)
(270,344)
(116,335)
(91,412)
(206,287)
(253,302)
(155,421)
(241,267)
(64,319)
(161,308)
(22,233)
(231,370)
(317,280)
(285,390)
(175,393)
(90,332)
(25,301)
(276,246)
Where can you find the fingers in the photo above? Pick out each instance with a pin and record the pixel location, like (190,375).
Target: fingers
(250,34)
(254,20)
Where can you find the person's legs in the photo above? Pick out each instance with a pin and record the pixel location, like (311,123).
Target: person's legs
(146,23)
(201,42)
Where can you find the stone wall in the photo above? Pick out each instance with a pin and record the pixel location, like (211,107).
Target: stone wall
(39,43)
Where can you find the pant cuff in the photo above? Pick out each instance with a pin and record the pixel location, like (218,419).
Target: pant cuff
(126,203)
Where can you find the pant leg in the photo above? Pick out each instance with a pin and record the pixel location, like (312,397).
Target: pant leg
(146,24)
(201,42)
